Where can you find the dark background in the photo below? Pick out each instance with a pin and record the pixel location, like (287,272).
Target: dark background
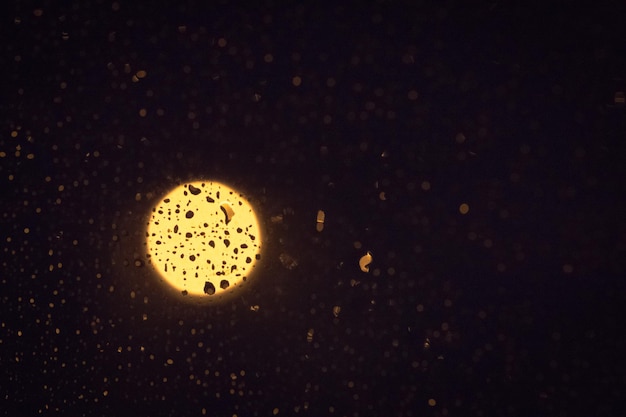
(515,308)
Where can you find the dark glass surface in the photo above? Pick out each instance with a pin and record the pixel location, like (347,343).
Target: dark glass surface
(388,116)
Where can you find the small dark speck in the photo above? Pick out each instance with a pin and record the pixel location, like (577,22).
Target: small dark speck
(209,288)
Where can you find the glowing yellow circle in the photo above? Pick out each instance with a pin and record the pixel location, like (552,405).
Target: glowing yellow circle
(204,239)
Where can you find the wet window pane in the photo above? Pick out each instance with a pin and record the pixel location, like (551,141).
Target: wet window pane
(382,209)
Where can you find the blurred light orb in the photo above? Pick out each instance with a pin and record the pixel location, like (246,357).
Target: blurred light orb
(204,239)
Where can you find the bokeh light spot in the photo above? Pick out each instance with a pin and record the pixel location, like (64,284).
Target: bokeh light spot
(203,238)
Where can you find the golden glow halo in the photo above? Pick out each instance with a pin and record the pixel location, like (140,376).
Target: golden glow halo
(204,239)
